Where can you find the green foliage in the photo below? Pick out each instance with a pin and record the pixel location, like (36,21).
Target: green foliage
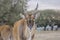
(10,11)
(48,17)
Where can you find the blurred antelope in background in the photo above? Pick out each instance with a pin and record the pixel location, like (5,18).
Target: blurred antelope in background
(5,32)
(24,29)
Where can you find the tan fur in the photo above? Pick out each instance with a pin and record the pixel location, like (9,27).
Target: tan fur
(5,32)
(23,34)
(15,29)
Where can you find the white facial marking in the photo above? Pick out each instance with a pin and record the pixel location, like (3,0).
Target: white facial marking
(29,38)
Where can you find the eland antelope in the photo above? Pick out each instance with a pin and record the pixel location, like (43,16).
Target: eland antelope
(24,29)
(5,32)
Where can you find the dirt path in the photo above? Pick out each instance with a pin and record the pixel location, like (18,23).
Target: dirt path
(47,35)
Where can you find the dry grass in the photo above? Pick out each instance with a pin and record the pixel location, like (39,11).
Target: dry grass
(47,35)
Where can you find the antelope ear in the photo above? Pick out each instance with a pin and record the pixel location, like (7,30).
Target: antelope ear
(36,15)
(22,15)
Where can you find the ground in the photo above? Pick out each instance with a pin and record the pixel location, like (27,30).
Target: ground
(47,35)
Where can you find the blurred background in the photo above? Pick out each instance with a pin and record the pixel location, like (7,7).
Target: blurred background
(48,10)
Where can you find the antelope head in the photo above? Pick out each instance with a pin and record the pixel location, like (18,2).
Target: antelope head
(30,17)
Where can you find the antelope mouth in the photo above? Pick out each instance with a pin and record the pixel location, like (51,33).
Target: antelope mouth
(30,24)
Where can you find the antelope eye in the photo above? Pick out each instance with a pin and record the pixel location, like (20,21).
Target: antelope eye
(33,20)
(33,17)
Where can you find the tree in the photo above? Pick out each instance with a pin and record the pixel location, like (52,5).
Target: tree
(48,17)
(10,10)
